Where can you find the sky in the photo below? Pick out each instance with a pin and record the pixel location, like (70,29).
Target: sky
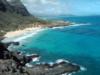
(63,7)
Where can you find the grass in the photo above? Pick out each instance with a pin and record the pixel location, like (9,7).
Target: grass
(12,21)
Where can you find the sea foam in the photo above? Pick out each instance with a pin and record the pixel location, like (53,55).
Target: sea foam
(24,36)
(74,25)
(28,35)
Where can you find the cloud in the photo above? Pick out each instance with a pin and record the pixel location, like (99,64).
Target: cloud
(63,7)
(49,7)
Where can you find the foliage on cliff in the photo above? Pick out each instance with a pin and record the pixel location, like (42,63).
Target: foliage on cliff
(14,16)
(12,21)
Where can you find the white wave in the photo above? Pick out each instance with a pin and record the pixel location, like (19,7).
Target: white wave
(28,65)
(67,74)
(62,60)
(35,59)
(60,27)
(83,68)
(74,25)
(51,63)
(82,24)
(28,35)
(23,37)
(30,54)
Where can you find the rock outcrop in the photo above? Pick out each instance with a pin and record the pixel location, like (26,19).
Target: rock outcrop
(13,6)
(16,63)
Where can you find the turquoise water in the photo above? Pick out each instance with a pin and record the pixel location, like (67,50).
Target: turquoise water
(78,44)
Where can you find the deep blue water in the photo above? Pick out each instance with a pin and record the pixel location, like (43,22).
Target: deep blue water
(78,44)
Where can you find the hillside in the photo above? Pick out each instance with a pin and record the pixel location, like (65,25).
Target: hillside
(14,15)
(13,6)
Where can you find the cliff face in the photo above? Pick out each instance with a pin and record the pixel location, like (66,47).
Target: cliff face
(13,16)
(13,6)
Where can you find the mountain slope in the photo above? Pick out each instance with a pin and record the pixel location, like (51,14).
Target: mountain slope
(14,15)
(13,6)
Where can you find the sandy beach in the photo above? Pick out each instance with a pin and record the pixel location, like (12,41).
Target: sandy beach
(21,32)
(19,35)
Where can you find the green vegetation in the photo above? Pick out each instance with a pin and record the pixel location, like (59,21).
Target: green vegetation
(12,21)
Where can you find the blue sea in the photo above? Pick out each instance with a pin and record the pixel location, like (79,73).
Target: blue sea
(79,44)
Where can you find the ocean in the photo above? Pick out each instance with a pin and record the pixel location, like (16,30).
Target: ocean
(79,44)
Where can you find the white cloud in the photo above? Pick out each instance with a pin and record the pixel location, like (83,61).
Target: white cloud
(57,7)
(50,7)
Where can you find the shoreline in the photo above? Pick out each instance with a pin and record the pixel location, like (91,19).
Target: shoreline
(19,35)
(22,64)
(21,32)
(66,67)
(10,35)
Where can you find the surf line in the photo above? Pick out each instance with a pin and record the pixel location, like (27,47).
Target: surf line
(28,35)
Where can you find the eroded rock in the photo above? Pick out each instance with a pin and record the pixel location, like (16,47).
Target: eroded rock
(15,63)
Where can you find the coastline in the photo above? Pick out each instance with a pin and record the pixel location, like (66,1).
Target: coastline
(21,32)
(18,25)
(39,26)
(22,64)
(18,35)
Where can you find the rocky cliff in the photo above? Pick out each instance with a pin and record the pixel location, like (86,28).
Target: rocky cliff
(13,6)
(14,16)
(17,63)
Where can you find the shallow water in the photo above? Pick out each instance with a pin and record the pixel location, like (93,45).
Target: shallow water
(78,44)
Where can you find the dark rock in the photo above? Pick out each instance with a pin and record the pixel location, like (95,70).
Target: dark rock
(13,6)
(2,6)
(54,69)
(9,43)
(14,63)
(4,53)
(16,43)
(1,38)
